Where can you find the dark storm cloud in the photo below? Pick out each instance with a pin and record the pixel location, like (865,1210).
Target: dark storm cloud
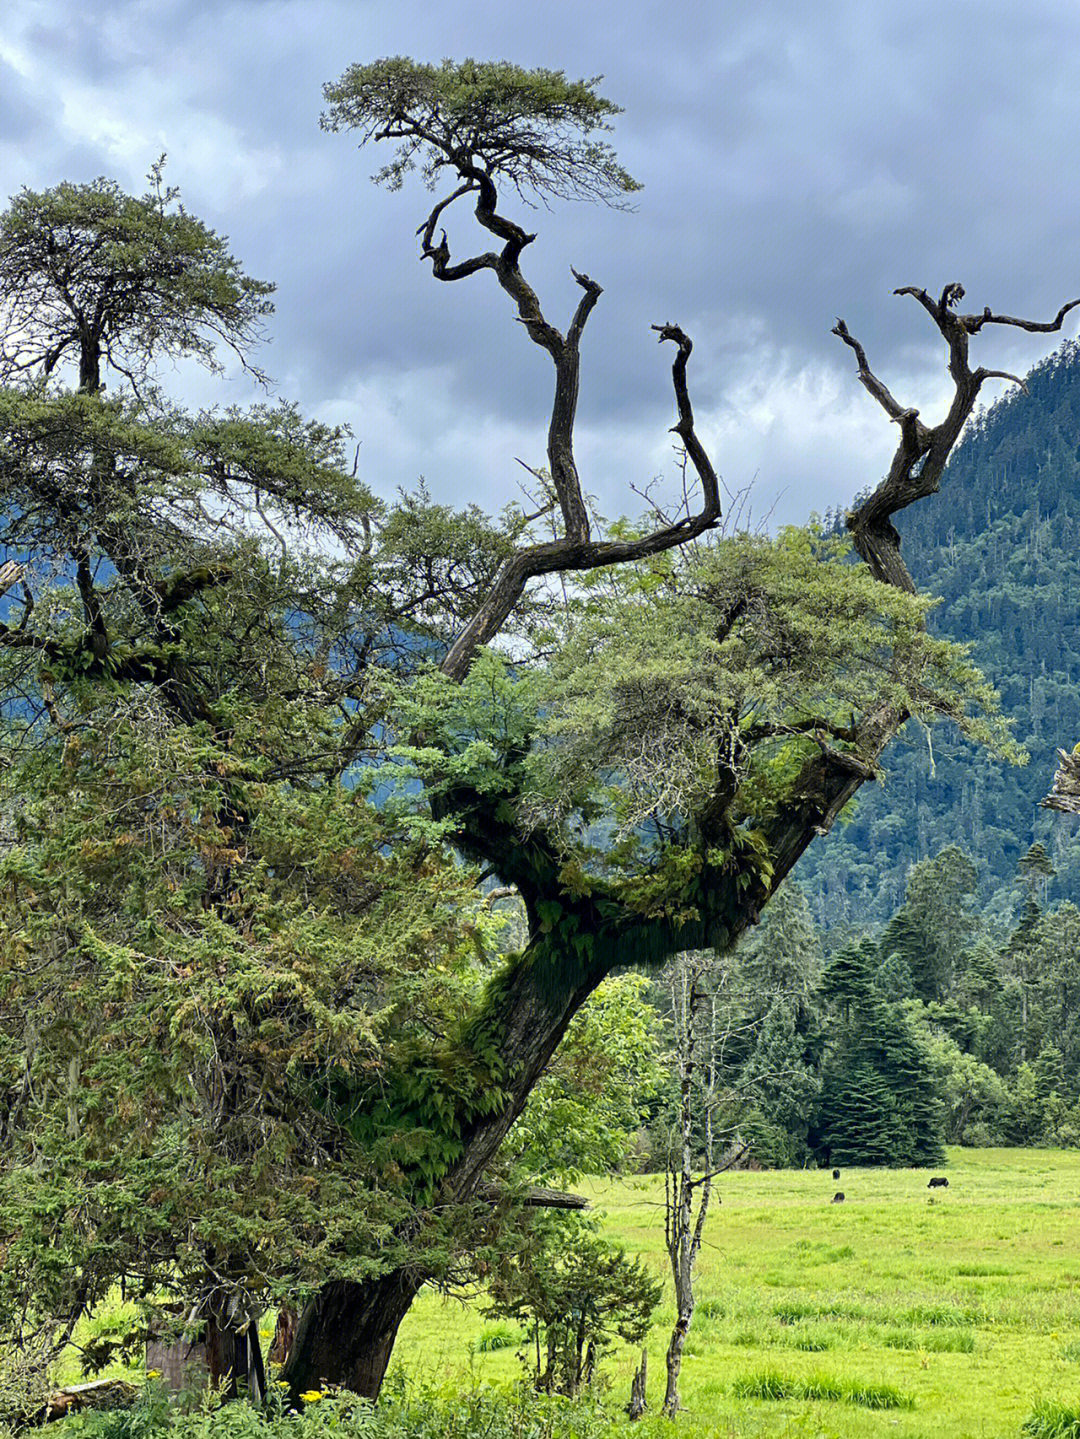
(798,161)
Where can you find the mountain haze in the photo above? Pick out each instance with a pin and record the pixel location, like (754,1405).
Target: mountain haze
(1000,545)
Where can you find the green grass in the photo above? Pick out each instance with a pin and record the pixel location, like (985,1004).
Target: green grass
(498,1336)
(770,1384)
(1051,1420)
(969,1307)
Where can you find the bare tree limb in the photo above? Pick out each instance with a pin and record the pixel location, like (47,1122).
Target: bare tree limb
(535,1196)
(880,392)
(974,323)
(1002,375)
(566,554)
(920,457)
(685,427)
(1065,795)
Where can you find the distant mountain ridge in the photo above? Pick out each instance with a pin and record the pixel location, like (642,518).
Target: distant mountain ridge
(1001,545)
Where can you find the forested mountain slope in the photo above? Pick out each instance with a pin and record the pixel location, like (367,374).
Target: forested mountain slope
(1001,546)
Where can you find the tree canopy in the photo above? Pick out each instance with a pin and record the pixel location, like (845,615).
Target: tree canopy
(483,120)
(88,273)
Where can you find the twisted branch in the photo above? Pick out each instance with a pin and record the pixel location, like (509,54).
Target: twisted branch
(575,548)
(922,452)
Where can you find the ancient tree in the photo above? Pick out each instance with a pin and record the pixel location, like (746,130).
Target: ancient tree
(717,850)
(221,651)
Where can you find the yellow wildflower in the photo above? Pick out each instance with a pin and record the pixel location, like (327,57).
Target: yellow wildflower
(153,1374)
(312,1396)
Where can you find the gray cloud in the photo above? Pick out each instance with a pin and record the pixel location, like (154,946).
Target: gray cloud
(799,162)
(19,118)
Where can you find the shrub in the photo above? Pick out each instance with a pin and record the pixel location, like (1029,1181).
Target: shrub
(579,1293)
(497,1336)
(24,1383)
(403,1413)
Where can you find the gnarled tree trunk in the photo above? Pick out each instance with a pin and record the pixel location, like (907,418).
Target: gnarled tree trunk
(347,1333)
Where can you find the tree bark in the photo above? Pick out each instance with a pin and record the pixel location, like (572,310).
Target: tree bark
(674,1362)
(234,1360)
(637,1406)
(284,1335)
(346,1334)
(693,1012)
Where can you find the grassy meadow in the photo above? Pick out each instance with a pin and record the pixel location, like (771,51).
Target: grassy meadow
(966,1308)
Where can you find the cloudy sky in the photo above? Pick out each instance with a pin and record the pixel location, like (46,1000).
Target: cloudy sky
(799,162)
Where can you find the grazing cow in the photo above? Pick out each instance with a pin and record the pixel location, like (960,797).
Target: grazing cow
(836,1174)
(838,1198)
(938,1182)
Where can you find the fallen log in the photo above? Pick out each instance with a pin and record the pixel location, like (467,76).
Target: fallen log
(98,1394)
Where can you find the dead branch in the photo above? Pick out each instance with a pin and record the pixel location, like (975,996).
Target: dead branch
(922,452)
(1065,795)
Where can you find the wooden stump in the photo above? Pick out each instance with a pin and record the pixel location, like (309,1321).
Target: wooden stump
(182,1364)
(284,1334)
(636,1407)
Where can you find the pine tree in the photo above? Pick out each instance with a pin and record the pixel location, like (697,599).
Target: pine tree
(878,1103)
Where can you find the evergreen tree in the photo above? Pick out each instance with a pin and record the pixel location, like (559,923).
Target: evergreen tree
(935,924)
(878,1103)
(849,976)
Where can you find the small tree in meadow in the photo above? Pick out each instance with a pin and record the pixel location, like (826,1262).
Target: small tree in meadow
(576,1294)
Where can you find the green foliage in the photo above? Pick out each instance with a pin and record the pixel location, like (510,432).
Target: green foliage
(530,127)
(498,1336)
(62,252)
(729,659)
(975,1097)
(1052,1419)
(878,1102)
(576,1293)
(25,1383)
(404,1412)
(585,1112)
(163,1049)
(929,932)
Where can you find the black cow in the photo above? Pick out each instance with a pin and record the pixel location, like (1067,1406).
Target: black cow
(838,1198)
(836,1174)
(938,1182)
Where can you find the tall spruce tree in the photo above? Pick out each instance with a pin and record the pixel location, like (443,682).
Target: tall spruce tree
(878,1104)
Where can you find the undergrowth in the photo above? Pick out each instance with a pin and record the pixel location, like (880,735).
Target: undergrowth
(403,1413)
